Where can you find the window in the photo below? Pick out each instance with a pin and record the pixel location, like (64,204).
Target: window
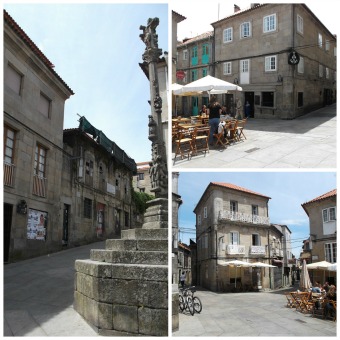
(327,72)
(89,168)
(268,99)
(205,212)
(40,161)
(245,30)
(255,210)
(255,240)
(13,79)
(270,63)
(320,40)
(234,237)
(205,54)
(330,252)
(244,66)
(300,99)
(320,71)
(233,206)
(199,219)
(299,24)
(194,75)
(204,72)
(87,208)
(329,214)
(185,55)
(327,45)
(227,68)
(301,65)
(44,105)
(140,176)
(9,136)
(194,58)
(228,35)
(269,23)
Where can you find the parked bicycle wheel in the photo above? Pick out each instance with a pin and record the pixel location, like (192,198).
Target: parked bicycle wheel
(181,303)
(197,304)
(190,304)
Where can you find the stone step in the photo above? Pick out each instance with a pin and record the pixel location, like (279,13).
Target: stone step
(136,245)
(145,234)
(145,272)
(129,257)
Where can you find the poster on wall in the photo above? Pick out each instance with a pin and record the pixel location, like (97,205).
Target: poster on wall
(36,225)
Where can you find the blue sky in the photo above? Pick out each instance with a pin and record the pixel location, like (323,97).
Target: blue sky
(96,50)
(288,190)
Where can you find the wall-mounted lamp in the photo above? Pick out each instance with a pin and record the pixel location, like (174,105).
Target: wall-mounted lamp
(279,78)
(235,81)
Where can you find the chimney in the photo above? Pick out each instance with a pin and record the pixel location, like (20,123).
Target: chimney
(253,5)
(236,8)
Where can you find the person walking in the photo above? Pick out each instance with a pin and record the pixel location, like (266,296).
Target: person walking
(182,279)
(247,110)
(239,114)
(214,112)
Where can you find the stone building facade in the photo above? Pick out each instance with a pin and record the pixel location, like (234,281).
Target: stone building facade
(96,187)
(184,262)
(34,99)
(195,57)
(141,181)
(322,244)
(282,56)
(232,223)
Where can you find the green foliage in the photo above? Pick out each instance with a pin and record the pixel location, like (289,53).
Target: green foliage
(140,199)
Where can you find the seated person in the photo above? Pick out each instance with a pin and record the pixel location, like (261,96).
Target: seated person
(316,288)
(329,308)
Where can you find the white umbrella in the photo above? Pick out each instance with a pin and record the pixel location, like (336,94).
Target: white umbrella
(322,265)
(262,265)
(333,267)
(305,283)
(236,263)
(209,84)
(319,265)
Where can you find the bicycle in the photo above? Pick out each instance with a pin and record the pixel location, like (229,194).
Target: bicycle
(196,300)
(186,301)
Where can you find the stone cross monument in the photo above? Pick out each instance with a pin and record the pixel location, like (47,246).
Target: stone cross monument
(123,289)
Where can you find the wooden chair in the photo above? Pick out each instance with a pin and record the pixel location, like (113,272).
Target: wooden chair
(232,131)
(290,301)
(174,131)
(201,139)
(220,137)
(240,129)
(184,144)
(306,305)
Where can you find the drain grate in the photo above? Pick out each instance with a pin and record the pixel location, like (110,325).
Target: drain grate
(300,321)
(252,150)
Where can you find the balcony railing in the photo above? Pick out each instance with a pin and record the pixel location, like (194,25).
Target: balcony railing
(241,217)
(8,174)
(234,249)
(257,250)
(39,186)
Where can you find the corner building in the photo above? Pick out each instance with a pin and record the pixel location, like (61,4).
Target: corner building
(282,56)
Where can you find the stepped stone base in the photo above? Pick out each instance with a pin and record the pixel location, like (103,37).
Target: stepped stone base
(123,289)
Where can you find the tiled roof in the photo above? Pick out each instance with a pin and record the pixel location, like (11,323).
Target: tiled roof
(178,16)
(34,48)
(236,187)
(322,197)
(202,36)
(183,246)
